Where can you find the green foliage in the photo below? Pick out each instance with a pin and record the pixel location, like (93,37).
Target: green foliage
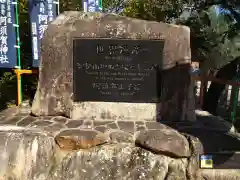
(214,36)
(25,36)
(210,36)
(157,10)
(8,89)
(114,6)
(70,5)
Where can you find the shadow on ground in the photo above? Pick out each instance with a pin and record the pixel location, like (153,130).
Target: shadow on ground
(216,137)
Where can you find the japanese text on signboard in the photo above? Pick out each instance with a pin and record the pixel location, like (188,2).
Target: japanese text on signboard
(8,58)
(41,13)
(94,5)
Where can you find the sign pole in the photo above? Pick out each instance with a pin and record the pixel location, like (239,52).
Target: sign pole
(19,79)
(236,96)
(100,5)
(58,8)
(85,5)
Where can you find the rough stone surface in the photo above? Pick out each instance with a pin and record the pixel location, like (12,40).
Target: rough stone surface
(29,153)
(79,139)
(217,174)
(119,161)
(196,149)
(54,93)
(214,122)
(164,141)
(120,136)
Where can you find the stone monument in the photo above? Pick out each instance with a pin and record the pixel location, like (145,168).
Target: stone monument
(110,75)
(102,67)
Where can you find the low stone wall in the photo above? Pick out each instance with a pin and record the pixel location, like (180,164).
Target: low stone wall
(58,148)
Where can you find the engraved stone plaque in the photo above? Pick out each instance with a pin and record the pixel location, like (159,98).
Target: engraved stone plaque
(117,70)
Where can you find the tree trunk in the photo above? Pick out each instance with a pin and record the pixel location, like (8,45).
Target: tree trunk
(215,90)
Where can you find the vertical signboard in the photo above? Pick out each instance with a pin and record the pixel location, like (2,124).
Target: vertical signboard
(41,13)
(8,56)
(92,5)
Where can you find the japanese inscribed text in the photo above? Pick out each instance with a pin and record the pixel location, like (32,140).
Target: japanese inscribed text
(8,56)
(94,5)
(41,13)
(114,70)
